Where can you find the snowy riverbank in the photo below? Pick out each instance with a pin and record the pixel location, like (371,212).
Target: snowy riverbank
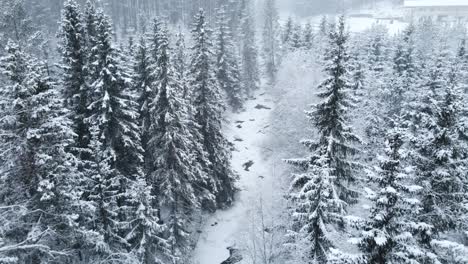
(247,130)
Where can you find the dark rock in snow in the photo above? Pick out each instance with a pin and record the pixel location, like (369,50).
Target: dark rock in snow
(239,122)
(247,165)
(214,224)
(261,177)
(238,139)
(235,256)
(251,120)
(239,126)
(259,106)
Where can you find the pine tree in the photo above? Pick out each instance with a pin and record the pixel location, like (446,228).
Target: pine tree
(148,95)
(143,80)
(16,24)
(271,35)
(296,37)
(323,27)
(249,53)
(308,36)
(330,116)
(390,234)
(227,67)
(287,31)
(180,62)
(90,23)
(116,168)
(176,169)
(377,73)
(442,152)
(325,188)
(40,185)
(404,73)
(74,76)
(208,109)
(317,204)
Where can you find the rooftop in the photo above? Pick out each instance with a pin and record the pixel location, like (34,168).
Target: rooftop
(435,3)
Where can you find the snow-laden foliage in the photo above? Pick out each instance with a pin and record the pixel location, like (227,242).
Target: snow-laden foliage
(40,185)
(206,98)
(271,37)
(250,72)
(227,62)
(390,235)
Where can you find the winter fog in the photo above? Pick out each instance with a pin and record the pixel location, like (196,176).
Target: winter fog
(233,132)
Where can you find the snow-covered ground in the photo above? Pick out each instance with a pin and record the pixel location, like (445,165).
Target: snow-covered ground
(383,13)
(247,130)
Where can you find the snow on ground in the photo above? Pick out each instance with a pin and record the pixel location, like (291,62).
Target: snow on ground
(383,13)
(247,131)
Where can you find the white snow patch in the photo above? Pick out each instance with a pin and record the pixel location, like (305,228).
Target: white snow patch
(223,229)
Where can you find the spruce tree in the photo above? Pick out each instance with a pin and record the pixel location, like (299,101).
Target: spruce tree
(287,31)
(143,81)
(148,95)
(208,110)
(404,68)
(180,62)
(76,93)
(317,204)
(296,41)
(442,152)
(117,166)
(250,75)
(325,188)
(227,66)
(390,233)
(90,23)
(308,37)
(324,26)
(40,186)
(331,117)
(176,169)
(271,39)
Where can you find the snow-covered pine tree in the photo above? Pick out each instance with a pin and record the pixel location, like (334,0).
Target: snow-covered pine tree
(143,78)
(295,41)
(377,47)
(271,40)
(308,38)
(324,26)
(148,95)
(90,22)
(390,233)
(316,203)
(250,75)
(176,168)
(227,62)
(287,31)
(75,89)
(330,116)
(377,75)
(180,62)
(17,25)
(404,68)
(208,110)
(442,153)
(40,186)
(116,167)
(156,25)
(206,199)
(324,190)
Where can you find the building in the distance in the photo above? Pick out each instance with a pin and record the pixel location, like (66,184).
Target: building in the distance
(446,10)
